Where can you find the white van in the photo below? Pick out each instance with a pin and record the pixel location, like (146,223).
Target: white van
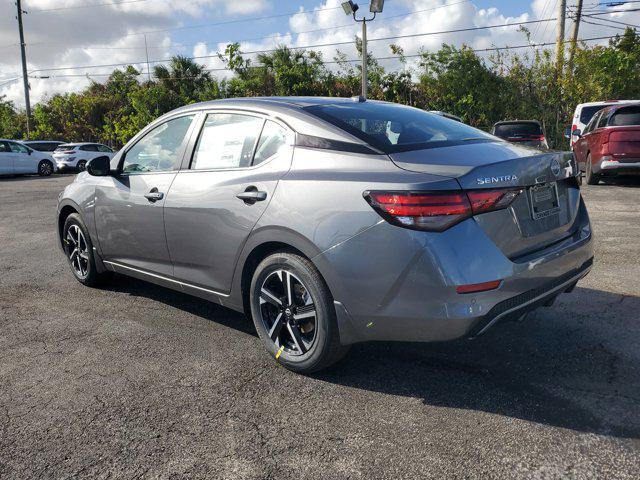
(585,112)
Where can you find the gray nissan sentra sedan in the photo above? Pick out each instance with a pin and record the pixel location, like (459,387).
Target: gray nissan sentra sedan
(332,221)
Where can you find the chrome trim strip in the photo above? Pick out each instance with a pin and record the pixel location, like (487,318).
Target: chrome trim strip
(611,165)
(573,279)
(166,279)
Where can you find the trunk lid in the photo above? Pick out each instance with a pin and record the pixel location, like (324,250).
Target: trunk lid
(545,211)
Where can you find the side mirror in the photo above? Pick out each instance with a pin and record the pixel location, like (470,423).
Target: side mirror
(29,151)
(99,167)
(577,133)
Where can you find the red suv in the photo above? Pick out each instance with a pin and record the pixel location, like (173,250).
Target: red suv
(610,143)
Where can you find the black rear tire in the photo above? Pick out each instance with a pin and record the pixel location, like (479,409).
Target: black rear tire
(590,177)
(325,349)
(81,166)
(45,168)
(84,267)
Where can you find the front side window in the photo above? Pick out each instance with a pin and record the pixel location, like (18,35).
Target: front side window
(17,148)
(4,148)
(272,139)
(395,128)
(602,121)
(591,123)
(104,148)
(159,150)
(227,140)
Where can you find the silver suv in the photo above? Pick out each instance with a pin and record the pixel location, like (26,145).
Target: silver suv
(332,221)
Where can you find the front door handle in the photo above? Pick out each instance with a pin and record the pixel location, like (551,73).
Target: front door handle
(154,195)
(252,195)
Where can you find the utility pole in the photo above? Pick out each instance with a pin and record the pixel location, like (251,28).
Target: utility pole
(25,79)
(574,35)
(562,7)
(146,49)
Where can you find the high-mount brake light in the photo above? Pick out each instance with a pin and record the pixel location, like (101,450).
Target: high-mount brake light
(437,211)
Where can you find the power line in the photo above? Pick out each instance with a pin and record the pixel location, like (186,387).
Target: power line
(602,24)
(615,21)
(318,45)
(477,50)
(88,5)
(254,38)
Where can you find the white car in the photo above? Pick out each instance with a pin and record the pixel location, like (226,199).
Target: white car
(17,159)
(74,156)
(585,112)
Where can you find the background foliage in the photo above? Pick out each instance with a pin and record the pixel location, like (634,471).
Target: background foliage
(480,90)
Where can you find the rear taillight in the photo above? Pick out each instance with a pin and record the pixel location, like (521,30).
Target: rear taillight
(539,137)
(437,211)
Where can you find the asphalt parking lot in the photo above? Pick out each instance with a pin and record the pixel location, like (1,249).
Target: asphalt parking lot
(136,381)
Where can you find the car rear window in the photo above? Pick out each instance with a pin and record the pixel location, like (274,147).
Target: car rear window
(518,129)
(587,113)
(625,116)
(395,128)
(61,148)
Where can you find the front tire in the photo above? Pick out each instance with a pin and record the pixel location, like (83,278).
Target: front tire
(79,250)
(590,177)
(45,168)
(293,312)
(81,166)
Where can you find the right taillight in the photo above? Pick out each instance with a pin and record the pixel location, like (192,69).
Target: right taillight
(439,210)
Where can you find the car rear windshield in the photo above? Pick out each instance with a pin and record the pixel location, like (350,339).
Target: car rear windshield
(518,129)
(61,148)
(395,128)
(587,113)
(625,116)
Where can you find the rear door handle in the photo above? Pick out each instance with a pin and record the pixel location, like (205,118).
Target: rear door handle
(252,195)
(154,195)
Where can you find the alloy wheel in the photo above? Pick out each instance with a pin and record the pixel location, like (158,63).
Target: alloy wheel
(288,312)
(45,169)
(82,166)
(77,251)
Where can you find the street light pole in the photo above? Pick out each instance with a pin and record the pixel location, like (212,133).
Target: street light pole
(350,8)
(364,58)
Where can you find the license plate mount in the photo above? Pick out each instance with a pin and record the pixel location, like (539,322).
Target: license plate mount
(544,200)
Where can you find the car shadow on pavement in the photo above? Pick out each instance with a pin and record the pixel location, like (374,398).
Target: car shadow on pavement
(622,181)
(182,301)
(574,365)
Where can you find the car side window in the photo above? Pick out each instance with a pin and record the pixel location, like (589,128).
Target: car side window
(17,148)
(227,140)
(159,149)
(4,148)
(272,139)
(104,148)
(89,148)
(591,123)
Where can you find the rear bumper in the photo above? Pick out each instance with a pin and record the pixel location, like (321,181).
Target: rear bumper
(615,166)
(393,284)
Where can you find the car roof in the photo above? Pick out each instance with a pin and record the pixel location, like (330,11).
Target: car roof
(79,144)
(42,141)
(508,122)
(606,102)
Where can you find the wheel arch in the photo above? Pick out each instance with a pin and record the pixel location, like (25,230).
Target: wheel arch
(65,210)
(261,244)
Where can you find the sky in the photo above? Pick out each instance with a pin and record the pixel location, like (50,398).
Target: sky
(92,34)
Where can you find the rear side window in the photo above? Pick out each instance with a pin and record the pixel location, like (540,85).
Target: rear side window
(64,148)
(272,139)
(395,128)
(160,149)
(104,148)
(587,113)
(226,141)
(625,116)
(520,129)
(89,148)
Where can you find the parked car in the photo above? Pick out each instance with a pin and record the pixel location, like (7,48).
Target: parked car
(42,145)
(74,156)
(610,143)
(584,112)
(17,159)
(303,213)
(524,132)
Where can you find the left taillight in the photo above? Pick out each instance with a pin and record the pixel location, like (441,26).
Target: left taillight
(438,210)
